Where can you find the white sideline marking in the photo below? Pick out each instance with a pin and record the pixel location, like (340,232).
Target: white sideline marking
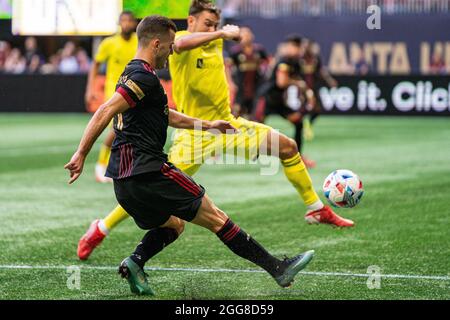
(320,274)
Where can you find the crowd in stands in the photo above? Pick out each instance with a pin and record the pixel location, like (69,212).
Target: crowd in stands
(276,8)
(69,59)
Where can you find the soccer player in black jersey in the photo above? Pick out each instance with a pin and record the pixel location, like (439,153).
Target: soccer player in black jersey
(155,193)
(286,93)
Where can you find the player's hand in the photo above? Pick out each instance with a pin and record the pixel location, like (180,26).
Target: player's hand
(223,127)
(75,166)
(231,32)
(89,97)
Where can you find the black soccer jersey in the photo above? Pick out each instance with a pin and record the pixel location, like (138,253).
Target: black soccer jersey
(141,131)
(270,90)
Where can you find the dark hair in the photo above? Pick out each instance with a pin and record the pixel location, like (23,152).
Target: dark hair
(127,13)
(293,38)
(198,6)
(153,26)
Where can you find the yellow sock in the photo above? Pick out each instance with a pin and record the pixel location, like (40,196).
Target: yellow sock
(296,172)
(115,217)
(103,156)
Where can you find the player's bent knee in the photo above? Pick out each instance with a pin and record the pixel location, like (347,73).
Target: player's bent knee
(176,224)
(180,227)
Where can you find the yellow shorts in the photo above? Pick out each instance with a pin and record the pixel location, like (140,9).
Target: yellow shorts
(191,148)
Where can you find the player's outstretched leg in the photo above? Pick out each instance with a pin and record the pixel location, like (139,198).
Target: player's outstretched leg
(278,144)
(98,230)
(103,158)
(155,240)
(243,245)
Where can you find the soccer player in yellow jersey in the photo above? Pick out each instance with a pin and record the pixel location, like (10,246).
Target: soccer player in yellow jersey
(200,90)
(116,51)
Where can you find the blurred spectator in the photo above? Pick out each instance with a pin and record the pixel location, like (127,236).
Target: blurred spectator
(68,60)
(52,65)
(276,8)
(360,66)
(5,50)
(68,63)
(84,63)
(34,65)
(437,65)
(31,50)
(15,62)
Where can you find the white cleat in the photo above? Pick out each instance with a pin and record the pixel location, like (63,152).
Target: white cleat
(100,171)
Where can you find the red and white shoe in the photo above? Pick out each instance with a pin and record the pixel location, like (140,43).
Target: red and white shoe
(327,216)
(100,170)
(90,240)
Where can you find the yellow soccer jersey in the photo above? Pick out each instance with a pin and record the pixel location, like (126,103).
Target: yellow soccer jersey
(199,84)
(116,52)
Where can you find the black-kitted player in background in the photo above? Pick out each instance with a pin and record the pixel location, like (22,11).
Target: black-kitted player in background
(249,61)
(153,191)
(285,93)
(314,74)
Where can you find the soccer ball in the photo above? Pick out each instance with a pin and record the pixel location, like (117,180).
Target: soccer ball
(343,189)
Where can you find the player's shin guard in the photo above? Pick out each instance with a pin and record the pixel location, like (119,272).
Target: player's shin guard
(153,242)
(115,217)
(246,247)
(296,172)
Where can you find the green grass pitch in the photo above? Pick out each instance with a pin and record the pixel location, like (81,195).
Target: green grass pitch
(403,220)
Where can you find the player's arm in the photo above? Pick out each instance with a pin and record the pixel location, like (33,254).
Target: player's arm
(99,121)
(326,76)
(181,121)
(197,39)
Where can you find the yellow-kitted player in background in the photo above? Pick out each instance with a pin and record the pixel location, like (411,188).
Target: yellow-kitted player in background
(200,89)
(116,51)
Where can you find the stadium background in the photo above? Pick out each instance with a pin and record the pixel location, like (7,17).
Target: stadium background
(402,222)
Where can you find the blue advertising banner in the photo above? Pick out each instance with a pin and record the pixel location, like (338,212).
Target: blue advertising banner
(405,44)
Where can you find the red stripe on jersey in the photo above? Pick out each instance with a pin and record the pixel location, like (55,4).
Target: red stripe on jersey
(122,162)
(130,157)
(126,160)
(126,96)
(148,68)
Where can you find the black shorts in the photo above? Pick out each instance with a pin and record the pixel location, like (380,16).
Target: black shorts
(151,198)
(266,106)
